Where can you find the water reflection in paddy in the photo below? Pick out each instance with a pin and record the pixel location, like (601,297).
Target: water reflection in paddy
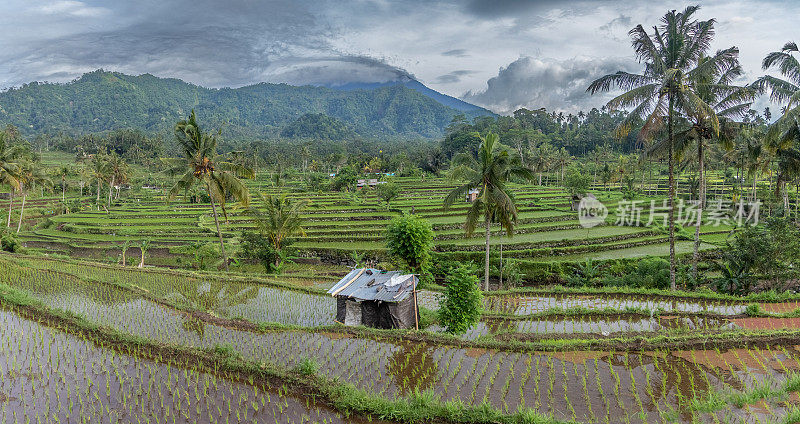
(605,386)
(522,304)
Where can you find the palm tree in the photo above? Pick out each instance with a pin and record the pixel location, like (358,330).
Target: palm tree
(671,58)
(542,159)
(9,170)
(99,170)
(199,165)
(489,173)
(118,171)
(279,220)
(713,85)
(781,138)
(30,174)
(562,159)
(143,248)
(63,171)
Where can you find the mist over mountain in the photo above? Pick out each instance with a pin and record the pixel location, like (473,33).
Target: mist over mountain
(101,101)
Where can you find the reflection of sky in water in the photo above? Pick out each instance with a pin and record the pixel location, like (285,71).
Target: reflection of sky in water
(529,304)
(471,375)
(590,325)
(61,378)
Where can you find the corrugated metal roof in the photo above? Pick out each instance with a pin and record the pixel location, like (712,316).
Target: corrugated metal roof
(375,284)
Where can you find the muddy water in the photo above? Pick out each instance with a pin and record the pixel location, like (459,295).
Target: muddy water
(586,386)
(530,304)
(605,325)
(51,376)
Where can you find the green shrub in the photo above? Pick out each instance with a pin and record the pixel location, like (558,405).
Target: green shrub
(254,246)
(584,274)
(461,306)
(8,241)
(410,239)
(647,273)
(306,366)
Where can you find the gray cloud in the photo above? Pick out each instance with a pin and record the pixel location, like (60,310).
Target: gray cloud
(239,43)
(552,84)
(454,76)
(456,53)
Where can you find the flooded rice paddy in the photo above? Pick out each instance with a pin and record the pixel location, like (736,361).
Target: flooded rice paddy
(599,386)
(50,376)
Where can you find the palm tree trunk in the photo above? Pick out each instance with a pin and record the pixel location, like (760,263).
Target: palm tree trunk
(540,178)
(486,269)
(701,202)
(10,209)
(124,262)
(97,202)
(219,233)
(141,262)
(671,196)
(63,190)
(21,212)
(110,188)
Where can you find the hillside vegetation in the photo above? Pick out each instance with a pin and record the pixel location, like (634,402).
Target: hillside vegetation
(101,101)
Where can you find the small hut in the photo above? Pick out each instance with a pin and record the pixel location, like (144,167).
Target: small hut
(576,199)
(376,298)
(472,195)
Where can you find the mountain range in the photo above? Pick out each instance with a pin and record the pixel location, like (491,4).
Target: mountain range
(101,101)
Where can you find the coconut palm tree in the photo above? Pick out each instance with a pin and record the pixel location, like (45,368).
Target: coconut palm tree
(542,159)
(279,219)
(780,137)
(99,171)
(199,165)
(118,171)
(494,166)
(671,56)
(562,159)
(9,170)
(714,86)
(30,174)
(62,172)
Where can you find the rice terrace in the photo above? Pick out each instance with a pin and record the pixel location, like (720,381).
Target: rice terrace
(256,212)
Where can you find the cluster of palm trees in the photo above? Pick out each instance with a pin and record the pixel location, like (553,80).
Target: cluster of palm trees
(687,97)
(19,170)
(546,158)
(111,169)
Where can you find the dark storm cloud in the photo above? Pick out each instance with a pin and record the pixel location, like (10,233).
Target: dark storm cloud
(336,70)
(205,42)
(456,53)
(454,76)
(496,8)
(552,84)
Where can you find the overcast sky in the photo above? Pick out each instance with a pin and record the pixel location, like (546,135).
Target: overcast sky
(501,54)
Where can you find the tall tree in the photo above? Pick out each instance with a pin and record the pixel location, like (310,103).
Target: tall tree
(671,56)
(781,137)
(489,173)
(9,169)
(99,171)
(30,174)
(199,165)
(117,171)
(714,86)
